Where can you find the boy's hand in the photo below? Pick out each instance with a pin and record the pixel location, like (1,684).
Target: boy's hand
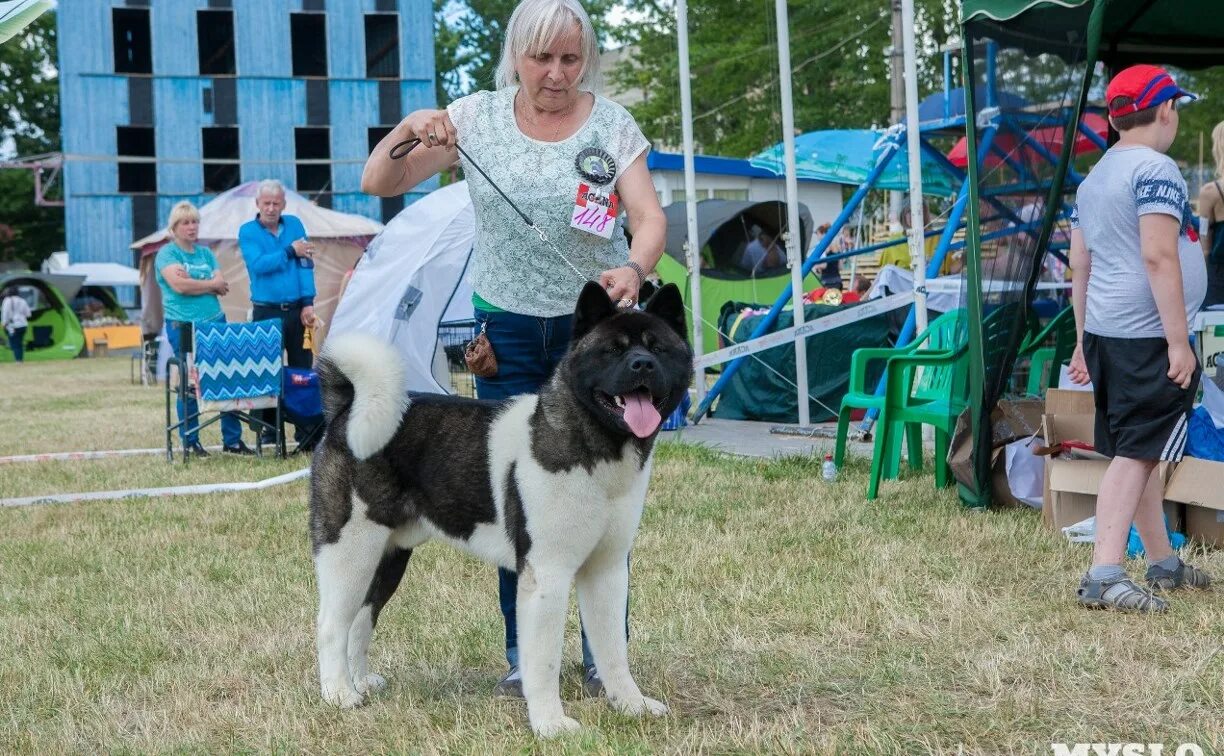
(1181,364)
(1077,371)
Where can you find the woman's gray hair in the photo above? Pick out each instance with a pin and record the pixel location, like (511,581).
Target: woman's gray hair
(536,24)
(269,186)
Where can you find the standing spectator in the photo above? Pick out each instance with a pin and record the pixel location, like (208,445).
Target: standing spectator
(190,282)
(1138,281)
(1211,210)
(540,136)
(15,316)
(279,261)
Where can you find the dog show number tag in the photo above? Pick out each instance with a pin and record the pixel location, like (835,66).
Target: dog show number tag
(594,211)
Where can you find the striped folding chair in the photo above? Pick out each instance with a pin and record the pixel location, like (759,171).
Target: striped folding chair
(236,367)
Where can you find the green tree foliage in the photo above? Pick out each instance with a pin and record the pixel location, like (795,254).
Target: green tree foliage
(468,37)
(839,57)
(29,125)
(1199,118)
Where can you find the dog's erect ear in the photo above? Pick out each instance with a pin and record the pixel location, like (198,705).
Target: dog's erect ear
(669,305)
(647,290)
(593,306)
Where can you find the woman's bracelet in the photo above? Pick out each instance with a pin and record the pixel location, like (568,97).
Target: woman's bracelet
(641,274)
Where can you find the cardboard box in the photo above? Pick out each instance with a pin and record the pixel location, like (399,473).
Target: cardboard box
(1199,484)
(1071,485)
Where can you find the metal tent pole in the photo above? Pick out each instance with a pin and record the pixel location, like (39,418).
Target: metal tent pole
(912,137)
(693,249)
(794,236)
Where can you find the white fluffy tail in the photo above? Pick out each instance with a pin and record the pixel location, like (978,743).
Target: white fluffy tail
(376,373)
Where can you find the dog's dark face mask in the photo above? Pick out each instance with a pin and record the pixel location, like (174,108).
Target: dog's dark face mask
(630,368)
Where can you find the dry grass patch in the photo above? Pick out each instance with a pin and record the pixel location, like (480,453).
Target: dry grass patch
(772,611)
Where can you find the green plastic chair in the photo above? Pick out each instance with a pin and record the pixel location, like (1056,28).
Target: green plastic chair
(1043,354)
(929,387)
(941,334)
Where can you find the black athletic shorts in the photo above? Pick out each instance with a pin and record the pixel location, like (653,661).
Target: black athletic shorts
(1140,413)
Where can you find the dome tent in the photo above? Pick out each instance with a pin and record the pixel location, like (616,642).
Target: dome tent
(339,239)
(54,332)
(725,227)
(411,280)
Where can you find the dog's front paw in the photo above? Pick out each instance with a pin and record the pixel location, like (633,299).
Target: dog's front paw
(636,707)
(371,683)
(551,728)
(345,698)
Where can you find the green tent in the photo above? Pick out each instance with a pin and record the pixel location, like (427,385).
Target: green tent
(54,332)
(1052,48)
(725,227)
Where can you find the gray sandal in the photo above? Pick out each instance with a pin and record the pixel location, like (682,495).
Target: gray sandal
(1122,594)
(1185,576)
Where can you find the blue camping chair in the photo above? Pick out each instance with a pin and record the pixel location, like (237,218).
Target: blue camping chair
(303,404)
(231,367)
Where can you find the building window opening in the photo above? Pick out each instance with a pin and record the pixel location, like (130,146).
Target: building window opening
(215,35)
(311,144)
(308,34)
(382,46)
(138,142)
(220,144)
(133,46)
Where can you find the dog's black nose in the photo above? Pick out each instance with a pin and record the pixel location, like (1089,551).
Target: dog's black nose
(642,364)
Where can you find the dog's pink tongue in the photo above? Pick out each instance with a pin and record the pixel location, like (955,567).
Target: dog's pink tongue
(640,415)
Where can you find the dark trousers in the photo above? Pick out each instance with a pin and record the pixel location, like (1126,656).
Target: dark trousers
(528,349)
(16,339)
(293,332)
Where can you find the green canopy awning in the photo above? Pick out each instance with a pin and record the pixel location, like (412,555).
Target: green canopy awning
(1183,33)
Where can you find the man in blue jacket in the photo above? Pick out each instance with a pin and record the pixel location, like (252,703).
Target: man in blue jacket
(278,259)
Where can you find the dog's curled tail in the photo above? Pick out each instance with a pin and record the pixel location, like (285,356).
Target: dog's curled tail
(365,375)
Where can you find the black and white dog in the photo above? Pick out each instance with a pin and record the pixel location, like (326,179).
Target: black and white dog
(550,484)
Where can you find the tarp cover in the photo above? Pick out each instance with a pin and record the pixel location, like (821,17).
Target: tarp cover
(758,390)
(1184,33)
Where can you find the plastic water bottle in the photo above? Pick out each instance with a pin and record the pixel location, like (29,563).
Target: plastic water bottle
(828,470)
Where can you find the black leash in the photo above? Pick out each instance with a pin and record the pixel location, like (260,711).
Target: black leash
(410,144)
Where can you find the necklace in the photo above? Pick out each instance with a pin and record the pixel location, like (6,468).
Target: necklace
(536,126)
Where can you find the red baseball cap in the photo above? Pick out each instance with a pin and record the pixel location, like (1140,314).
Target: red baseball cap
(1146,86)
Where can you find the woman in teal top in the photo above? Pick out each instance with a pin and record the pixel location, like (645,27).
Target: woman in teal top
(190,281)
(1211,210)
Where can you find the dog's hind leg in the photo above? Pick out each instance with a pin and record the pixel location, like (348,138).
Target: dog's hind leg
(345,570)
(543,596)
(386,579)
(603,593)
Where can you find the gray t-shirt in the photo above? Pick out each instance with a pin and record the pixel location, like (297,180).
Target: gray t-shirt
(512,268)
(1129,182)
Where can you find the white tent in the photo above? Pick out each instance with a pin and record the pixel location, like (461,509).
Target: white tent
(339,239)
(411,279)
(103,274)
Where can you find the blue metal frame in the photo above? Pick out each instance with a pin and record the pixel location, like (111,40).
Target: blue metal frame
(1013,123)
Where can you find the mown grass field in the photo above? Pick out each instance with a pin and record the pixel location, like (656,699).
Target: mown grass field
(772,611)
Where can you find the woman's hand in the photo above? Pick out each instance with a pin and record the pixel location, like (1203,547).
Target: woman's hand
(621,285)
(432,127)
(385,176)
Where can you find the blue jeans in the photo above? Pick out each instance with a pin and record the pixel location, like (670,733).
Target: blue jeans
(189,432)
(16,341)
(528,349)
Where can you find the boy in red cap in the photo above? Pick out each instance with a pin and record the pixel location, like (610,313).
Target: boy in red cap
(1139,278)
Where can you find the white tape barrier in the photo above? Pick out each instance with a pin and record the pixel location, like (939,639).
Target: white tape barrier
(79,455)
(868,309)
(205,488)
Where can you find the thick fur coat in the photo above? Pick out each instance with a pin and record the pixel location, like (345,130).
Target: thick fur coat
(550,485)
